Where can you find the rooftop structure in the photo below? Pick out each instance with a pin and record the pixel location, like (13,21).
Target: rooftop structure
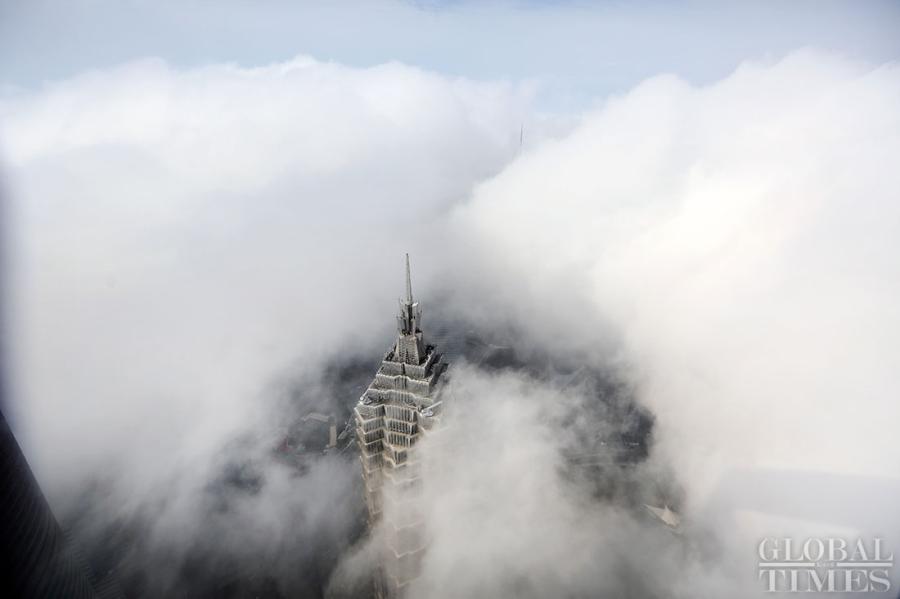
(400,407)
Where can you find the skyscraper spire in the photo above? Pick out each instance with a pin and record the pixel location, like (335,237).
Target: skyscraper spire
(410,346)
(409,297)
(402,405)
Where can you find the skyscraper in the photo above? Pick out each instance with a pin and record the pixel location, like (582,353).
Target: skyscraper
(398,409)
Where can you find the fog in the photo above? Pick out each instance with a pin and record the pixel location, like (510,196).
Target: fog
(740,239)
(192,247)
(201,255)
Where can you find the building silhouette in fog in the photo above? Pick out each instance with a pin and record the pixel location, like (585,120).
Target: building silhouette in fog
(400,407)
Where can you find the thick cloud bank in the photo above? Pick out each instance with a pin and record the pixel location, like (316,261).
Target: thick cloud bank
(741,240)
(187,235)
(190,248)
(194,246)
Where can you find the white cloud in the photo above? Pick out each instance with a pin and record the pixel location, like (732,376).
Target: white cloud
(741,238)
(188,243)
(187,239)
(503,516)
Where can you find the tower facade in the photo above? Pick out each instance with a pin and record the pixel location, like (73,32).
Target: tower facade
(398,409)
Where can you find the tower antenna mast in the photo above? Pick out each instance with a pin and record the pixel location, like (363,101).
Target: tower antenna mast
(409,297)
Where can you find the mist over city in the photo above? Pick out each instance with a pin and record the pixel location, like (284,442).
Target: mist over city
(450,299)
